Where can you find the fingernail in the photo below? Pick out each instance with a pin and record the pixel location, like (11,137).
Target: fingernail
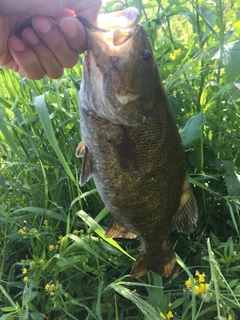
(68,25)
(42,24)
(16,44)
(30,36)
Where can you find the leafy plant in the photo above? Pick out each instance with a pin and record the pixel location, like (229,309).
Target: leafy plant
(55,262)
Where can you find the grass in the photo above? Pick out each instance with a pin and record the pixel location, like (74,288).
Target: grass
(55,262)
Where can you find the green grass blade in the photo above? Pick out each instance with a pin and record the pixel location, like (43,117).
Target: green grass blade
(43,114)
(41,211)
(99,230)
(8,136)
(142,305)
(185,268)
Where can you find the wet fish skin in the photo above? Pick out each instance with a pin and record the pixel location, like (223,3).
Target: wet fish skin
(131,145)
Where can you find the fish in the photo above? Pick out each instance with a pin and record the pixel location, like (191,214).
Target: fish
(131,144)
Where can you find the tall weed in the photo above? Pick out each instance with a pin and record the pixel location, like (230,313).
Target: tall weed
(55,262)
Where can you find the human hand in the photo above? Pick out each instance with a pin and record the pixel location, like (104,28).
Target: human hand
(53,41)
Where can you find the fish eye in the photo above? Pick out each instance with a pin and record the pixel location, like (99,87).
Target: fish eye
(146,56)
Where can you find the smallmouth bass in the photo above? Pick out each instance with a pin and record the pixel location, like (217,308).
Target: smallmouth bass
(130,142)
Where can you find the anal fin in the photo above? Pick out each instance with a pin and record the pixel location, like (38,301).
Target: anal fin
(86,173)
(185,218)
(115,230)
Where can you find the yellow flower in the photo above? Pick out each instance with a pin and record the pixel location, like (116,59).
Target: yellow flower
(24,271)
(197,289)
(169,315)
(188,283)
(51,248)
(200,285)
(230,317)
(25,279)
(32,264)
(175,54)
(22,231)
(203,287)
(201,276)
(47,287)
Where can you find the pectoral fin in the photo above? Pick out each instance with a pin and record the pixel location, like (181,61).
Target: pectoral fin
(80,150)
(115,230)
(86,173)
(125,152)
(186,217)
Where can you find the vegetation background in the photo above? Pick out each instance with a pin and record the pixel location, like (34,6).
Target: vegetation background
(54,260)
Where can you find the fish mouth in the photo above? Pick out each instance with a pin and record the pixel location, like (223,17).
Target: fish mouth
(121,25)
(126,18)
(117,29)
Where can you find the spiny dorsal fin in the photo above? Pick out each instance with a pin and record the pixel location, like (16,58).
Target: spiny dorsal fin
(125,153)
(185,218)
(115,230)
(86,173)
(80,150)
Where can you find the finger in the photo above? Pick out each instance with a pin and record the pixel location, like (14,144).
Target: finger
(45,56)
(88,9)
(74,33)
(25,59)
(50,34)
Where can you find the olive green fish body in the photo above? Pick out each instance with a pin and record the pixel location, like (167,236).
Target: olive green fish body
(132,148)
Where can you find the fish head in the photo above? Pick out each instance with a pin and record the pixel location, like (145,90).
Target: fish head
(120,69)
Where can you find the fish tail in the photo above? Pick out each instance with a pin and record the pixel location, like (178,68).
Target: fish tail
(165,265)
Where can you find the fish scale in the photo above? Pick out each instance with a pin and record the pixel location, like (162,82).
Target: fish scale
(131,145)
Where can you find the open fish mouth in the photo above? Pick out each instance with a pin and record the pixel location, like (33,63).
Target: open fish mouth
(121,25)
(110,38)
(121,19)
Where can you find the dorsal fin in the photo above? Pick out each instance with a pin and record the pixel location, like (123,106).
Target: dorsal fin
(86,173)
(115,230)
(185,218)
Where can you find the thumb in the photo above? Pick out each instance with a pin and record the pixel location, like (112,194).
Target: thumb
(88,9)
